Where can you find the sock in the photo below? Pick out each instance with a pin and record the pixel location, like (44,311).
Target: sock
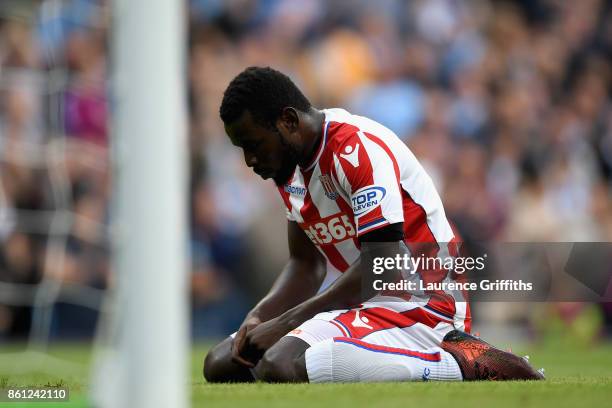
(343,359)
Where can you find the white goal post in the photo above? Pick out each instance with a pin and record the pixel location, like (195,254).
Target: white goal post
(148,367)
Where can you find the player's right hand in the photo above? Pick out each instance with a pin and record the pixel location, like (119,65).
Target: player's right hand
(240,341)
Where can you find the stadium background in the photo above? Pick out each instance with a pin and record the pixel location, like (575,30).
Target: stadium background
(506,103)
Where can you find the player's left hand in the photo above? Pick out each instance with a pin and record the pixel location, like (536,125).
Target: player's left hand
(262,337)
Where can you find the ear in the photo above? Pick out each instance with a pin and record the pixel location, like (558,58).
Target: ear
(289,120)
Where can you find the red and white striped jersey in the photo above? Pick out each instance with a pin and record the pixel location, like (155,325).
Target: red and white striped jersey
(362,178)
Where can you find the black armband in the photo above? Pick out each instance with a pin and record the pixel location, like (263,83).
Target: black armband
(389,233)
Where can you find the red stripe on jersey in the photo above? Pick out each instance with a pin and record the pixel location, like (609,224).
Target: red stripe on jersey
(310,212)
(383,145)
(454,246)
(417,233)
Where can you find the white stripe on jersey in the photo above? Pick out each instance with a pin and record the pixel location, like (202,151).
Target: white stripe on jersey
(421,188)
(342,180)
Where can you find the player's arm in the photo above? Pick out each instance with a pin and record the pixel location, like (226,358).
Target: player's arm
(347,290)
(299,280)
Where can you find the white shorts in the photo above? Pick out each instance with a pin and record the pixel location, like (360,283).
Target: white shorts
(404,325)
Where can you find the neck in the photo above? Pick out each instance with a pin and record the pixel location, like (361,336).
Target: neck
(313,133)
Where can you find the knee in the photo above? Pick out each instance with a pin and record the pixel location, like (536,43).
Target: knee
(275,367)
(272,368)
(212,369)
(219,367)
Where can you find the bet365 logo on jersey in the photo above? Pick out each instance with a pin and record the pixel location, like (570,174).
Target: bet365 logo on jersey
(366,199)
(330,230)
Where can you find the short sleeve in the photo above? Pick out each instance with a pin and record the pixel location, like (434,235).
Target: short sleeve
(368,173)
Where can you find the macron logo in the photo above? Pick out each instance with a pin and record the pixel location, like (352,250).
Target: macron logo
(361,321)
(351,155)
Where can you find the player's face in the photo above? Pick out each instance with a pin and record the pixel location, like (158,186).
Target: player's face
(265,150)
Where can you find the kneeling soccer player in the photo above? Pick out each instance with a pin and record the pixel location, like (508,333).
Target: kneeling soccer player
(348,184)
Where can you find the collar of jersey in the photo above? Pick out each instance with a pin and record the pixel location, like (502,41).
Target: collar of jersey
(322,144)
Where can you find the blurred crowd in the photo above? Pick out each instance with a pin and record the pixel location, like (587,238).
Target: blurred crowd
(506,103)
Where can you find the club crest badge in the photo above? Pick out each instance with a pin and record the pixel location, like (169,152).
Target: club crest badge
(328,186)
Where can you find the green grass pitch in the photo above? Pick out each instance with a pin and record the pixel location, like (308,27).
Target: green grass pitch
(576,377)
